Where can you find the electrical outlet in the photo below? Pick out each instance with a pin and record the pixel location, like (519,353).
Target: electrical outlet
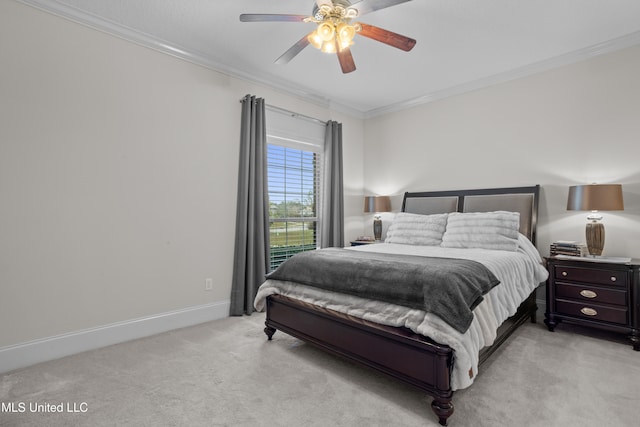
(208,284)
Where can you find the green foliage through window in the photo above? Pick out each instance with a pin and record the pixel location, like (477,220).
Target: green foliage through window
(293,192)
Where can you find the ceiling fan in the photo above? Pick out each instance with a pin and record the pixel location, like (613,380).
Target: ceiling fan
(335,29)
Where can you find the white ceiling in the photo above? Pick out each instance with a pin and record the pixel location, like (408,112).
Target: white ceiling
(461,44)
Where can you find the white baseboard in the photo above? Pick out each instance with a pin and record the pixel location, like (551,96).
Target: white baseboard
(41,350)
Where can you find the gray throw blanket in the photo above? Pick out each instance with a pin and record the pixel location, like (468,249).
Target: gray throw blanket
(450,288)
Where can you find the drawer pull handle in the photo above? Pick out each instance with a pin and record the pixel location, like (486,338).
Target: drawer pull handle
(588,294)
(588,311)
(565,274)
(613,278)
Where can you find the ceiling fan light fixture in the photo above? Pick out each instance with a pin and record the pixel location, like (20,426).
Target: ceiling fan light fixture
(342,45)
(331,36)
(326,31)
(315,40)
(335,30)
(346,33)
(329,47)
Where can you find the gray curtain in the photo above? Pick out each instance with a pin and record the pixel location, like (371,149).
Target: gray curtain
(332,221)
(251,255)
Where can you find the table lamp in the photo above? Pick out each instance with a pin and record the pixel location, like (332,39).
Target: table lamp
(594,198)
(377,204)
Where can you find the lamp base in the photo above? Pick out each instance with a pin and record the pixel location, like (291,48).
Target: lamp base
(377,228)
(595,237)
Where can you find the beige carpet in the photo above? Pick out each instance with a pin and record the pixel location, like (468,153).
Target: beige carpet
(225,373)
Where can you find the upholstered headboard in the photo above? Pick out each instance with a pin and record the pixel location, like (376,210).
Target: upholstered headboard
(513,199)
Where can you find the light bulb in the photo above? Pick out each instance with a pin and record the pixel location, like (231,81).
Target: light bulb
(329,47)
(325,31)
(343,45)
(345,32)
(315,40)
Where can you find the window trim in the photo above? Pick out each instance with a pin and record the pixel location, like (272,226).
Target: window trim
(297,133)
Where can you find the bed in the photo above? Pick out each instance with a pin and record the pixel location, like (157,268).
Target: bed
(412,345)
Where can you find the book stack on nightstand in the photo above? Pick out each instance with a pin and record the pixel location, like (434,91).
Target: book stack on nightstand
(568,248)
(364,240)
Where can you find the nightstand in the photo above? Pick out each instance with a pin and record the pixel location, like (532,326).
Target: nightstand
(364,242)
(597,294)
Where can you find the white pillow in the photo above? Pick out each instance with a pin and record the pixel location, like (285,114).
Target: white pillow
(414,229)
(485,230)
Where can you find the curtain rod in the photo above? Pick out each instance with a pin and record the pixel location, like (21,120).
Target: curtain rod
(292,113)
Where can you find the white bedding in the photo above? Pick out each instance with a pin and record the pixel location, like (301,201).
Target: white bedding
(519,273)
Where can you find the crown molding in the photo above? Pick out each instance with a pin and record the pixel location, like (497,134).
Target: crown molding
(146,40)
(609,46)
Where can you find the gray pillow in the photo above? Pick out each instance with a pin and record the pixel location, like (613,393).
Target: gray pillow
(485,230)
(414,229)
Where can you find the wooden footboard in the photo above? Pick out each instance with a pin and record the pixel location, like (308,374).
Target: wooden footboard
(399,352)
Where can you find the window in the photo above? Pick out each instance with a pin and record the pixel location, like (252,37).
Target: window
(294,165)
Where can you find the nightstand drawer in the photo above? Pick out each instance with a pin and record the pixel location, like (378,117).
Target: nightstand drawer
(592,311)
(591,275)
(591,294)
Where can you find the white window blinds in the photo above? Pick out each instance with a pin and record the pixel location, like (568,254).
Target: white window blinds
(294,165)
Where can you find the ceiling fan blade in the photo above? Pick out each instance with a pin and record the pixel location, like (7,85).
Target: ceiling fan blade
(388,37)
(346,60)
(269,17)
(367,6)
(294,50)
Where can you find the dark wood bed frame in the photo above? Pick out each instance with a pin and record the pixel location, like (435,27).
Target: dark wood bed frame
(399,352)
